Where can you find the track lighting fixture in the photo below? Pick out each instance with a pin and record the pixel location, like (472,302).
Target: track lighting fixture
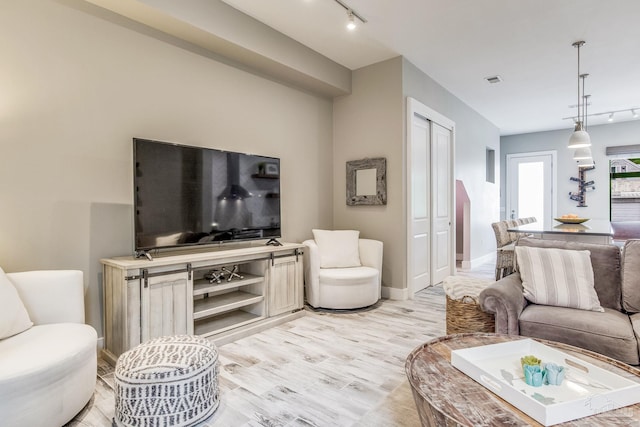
(351,25)
(633,111)
(610,119)
(351,15)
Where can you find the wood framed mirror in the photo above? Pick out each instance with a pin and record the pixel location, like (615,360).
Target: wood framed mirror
(367,182)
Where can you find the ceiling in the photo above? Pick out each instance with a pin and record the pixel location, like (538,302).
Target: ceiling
(458,43)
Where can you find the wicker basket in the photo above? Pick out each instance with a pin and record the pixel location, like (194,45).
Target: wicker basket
(464,315)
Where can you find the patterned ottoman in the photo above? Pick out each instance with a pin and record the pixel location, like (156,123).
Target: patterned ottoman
(167,381)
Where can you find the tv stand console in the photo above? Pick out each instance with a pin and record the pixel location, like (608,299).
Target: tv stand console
(224,294)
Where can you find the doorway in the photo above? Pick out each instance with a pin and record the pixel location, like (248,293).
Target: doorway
(530,186)
(430,197)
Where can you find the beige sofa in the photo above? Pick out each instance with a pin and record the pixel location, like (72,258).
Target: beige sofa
(614,332)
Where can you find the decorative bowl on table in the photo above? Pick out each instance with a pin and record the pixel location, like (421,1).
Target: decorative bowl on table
(572,220)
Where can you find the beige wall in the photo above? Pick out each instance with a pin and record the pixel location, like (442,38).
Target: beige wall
(369,123)
(76,88)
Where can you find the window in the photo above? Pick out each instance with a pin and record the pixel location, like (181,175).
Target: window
(491,165)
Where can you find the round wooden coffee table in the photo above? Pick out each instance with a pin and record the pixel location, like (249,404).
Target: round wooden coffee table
(445,396)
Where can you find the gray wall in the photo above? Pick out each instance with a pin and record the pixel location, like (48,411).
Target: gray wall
(75,90)
(474,134)
(602,136)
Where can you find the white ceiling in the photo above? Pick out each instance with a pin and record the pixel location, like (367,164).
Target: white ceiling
(460,42)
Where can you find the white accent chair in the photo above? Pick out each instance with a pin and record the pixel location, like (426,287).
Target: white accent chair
(48,371)
(344,287)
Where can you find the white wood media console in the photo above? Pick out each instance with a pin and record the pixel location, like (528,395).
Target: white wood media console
(170,295)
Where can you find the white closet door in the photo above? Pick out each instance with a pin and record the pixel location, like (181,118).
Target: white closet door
(441,204)
(420,224)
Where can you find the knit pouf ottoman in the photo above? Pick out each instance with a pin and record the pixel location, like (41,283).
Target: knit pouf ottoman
(167,381)
(463,310)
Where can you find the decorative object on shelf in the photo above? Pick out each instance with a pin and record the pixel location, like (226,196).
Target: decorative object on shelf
(214,276)
(583,186)
(367,182)
(271,169)
(232,273)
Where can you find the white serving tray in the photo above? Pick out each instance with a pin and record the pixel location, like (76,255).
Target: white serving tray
(586,389)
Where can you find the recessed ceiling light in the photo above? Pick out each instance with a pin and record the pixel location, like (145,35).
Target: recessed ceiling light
(493,79)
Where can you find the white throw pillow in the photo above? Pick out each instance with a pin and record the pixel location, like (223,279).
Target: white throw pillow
(557,277)
(338,248)
(13,315)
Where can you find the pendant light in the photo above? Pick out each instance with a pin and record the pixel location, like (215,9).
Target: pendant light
(580,137)
(583,154)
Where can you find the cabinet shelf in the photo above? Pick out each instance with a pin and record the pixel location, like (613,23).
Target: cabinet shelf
(224,322)
(202,286)
(176,298)
(233,300)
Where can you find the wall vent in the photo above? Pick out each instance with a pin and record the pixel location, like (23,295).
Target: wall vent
(493,79)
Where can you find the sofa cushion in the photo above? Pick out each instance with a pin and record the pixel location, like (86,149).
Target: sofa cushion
(348,276)
(631,276)
(606,263)
(609,333)
(13,314)
(557,277)
(338,248)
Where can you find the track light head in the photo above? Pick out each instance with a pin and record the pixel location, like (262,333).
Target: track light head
(351,24)
(610,119)
(634,113)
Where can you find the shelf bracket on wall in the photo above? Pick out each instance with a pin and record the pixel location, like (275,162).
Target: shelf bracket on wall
(583,186)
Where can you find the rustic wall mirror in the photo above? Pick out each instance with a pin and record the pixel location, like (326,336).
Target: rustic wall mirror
(367,182)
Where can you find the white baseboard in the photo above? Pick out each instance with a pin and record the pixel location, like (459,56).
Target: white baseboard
(468,265)
(395,293)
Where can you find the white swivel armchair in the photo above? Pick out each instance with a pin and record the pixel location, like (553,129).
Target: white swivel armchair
(342,271)
(48,361)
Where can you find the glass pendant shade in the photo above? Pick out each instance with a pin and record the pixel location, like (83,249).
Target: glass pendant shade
(579,138)
(582,153)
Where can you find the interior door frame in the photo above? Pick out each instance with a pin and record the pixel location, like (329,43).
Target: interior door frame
(416,108)
(554,179)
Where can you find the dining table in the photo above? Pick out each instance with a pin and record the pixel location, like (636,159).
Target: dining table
(590,231)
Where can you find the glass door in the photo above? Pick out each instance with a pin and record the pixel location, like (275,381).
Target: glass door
(530,186)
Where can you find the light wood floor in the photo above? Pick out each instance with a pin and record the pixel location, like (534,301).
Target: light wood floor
(323,369)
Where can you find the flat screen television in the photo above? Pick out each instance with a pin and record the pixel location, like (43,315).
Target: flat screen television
(187,196)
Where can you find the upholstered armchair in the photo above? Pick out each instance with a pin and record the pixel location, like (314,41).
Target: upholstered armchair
(48,357)
(342,271)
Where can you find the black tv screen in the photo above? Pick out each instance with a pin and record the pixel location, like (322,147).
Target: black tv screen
(196,196)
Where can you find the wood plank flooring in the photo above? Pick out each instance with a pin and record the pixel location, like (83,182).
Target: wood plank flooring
(323,369)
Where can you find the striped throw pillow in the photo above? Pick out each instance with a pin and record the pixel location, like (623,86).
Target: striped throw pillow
(557,277)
